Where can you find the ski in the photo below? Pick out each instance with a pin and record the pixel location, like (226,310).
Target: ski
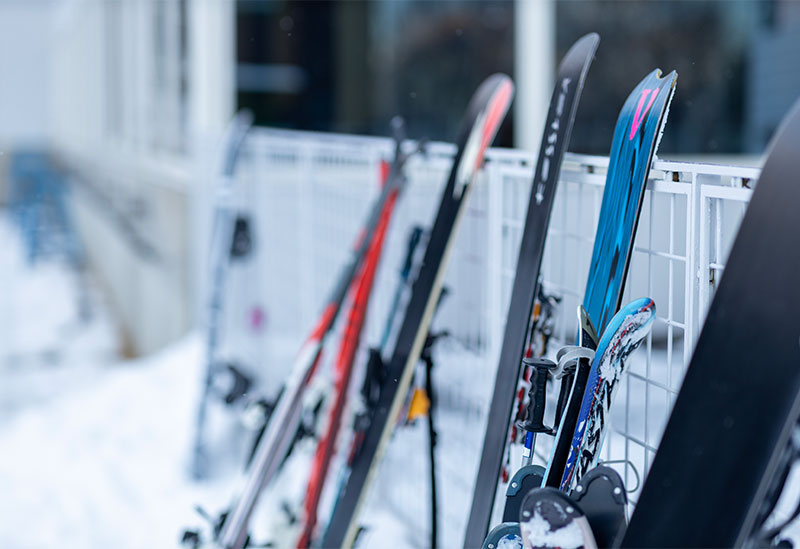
(733,418)
(560,117)
(623,335)
(343,373)
(414,239)
(636,137)
(222,244)
(285,418)
(484,115)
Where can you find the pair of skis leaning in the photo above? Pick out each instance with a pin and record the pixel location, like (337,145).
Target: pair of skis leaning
(280,432)
(588,390)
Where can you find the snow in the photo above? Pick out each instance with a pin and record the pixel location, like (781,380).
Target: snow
(101,467)
(538,534)
(94,447)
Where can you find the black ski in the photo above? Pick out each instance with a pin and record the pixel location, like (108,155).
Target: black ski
(740,399)
(482,120)
(560,117)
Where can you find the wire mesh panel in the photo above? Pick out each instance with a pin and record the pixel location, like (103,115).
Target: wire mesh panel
(309,194)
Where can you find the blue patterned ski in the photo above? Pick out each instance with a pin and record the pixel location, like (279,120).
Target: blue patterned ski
(622,337)
(636,137)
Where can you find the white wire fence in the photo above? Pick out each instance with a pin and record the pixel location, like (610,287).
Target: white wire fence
(308,194)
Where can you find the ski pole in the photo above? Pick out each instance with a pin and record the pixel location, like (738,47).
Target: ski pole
(534,414)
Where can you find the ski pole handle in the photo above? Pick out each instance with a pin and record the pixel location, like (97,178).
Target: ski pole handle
(534,413)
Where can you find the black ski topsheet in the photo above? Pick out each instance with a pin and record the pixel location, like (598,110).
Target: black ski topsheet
(740,398)
(482,120)
(560,117)
(222,234)
(636,137)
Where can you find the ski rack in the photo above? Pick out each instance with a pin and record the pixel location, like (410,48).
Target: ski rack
(308,190)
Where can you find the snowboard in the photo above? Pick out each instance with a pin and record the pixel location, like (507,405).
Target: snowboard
(563,106)
(740,398)
(281,430)
(482,120)
(636,137)
(623,335)
(223,238)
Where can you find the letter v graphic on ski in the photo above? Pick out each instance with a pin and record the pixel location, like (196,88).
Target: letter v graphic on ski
(639,115)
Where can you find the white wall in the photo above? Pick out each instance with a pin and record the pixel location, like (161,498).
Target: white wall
(133,131)
(25,47)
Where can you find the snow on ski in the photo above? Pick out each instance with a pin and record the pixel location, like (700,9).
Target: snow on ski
(223,231)
(740,399)
(551,520)
(561,115)
(482,120)
(636,136)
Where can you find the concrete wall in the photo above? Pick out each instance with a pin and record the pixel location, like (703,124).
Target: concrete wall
(134,104)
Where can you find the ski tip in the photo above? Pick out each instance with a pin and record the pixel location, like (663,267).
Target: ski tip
(590,40)
(642,303)
(244,118)
(658,74)
(502,92)
(398,127)
(583,48)
(499,85)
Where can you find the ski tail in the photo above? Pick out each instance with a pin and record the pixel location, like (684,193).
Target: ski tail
(549,519)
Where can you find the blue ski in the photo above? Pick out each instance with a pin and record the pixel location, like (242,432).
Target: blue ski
(622,337)
(636,138)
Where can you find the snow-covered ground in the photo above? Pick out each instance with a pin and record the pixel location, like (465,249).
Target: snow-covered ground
(93,446)
(96,448)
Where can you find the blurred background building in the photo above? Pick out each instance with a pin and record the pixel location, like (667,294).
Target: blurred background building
(129,97)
